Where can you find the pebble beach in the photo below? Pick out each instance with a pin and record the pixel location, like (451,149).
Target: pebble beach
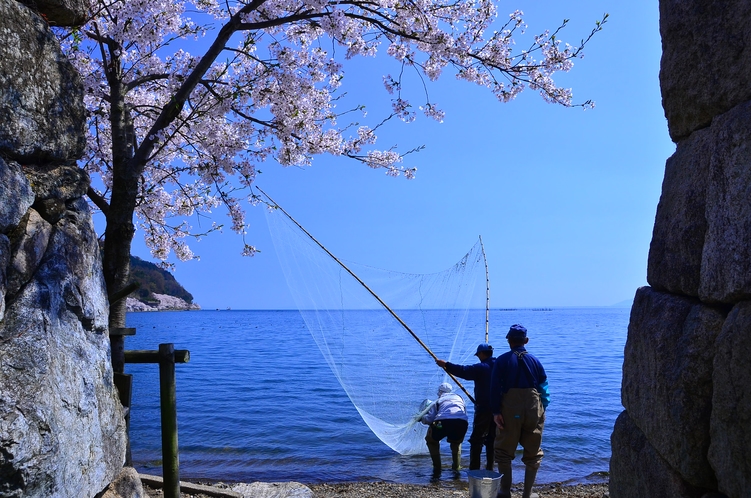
(395,490)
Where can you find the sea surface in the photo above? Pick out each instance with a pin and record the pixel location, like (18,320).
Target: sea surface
(258,402)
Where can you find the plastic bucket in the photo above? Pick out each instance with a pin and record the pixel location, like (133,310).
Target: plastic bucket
(484,483)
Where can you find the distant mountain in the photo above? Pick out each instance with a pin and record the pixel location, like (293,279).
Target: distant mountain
(155,280)
(623,304)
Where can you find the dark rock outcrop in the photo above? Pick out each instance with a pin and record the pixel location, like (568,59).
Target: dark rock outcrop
(726,259)
(701,245)
(686,368)
(41,95)
(730,426)
(680,224)
(706,53)
(638,471)
(667,379)
(62,12)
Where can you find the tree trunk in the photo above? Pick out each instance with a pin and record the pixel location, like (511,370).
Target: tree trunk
(118,235)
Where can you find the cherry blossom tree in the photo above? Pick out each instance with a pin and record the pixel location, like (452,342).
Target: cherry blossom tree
(185,100)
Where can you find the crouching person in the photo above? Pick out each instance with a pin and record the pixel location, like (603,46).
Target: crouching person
(447,417)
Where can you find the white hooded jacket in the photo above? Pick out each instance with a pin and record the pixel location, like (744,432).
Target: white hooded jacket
(448,406)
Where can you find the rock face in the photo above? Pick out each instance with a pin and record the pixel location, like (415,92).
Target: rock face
(40,121)
(62,12)
(638,471)
(62,429)
(700,80)
(686,430)
(730,424)
(667,384)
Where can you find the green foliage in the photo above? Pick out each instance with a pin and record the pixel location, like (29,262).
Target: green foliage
(155,280)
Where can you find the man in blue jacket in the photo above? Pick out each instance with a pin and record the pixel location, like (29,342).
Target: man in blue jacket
(483,426)
(518,398)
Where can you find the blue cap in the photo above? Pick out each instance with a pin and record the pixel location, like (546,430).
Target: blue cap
(517,332)
(484,348)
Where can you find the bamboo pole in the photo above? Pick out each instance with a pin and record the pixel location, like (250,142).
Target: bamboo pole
(168,402)
(487,292)
(386,306)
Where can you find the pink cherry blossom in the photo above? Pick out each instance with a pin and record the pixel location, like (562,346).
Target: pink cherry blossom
(186,100)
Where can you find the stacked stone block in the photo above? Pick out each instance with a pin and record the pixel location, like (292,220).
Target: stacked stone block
(686,430)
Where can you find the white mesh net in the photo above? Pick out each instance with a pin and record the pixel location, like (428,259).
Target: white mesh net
(383,369)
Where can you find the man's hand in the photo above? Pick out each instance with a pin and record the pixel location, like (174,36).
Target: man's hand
(441,363)
(498,419)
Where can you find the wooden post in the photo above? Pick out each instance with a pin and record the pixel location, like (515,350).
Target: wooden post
(170,457)
(167,356)
(150,356)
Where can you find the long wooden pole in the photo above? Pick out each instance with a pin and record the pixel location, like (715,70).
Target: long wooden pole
(487,291)
(386,306)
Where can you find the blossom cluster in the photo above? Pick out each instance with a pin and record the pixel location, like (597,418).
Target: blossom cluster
(270,90)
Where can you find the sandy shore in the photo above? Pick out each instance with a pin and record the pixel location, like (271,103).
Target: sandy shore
(439,490)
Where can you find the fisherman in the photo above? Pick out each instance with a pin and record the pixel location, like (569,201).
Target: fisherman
(518,398)
(447,417)
(483,425)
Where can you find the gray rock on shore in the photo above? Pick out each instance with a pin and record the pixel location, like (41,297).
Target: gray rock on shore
(166,303)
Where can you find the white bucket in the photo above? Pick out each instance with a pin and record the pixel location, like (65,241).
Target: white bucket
(484,483)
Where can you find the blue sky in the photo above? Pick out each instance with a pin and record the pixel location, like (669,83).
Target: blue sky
(563,198)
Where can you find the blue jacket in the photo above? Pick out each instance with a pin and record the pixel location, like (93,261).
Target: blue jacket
(508,373)
(480,374)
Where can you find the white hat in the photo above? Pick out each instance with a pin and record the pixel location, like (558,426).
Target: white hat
(444,388)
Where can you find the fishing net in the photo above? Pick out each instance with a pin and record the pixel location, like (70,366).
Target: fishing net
(389,377)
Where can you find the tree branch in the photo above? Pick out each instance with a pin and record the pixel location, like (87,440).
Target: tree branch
(145,79)
(173,108)
(98,200)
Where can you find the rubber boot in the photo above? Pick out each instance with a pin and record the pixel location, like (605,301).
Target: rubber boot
(489,454)
(435,456)
(456,456)
(505,491)
(529,480)
(475,455)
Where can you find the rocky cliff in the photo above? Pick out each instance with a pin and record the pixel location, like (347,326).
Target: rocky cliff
(158,290)
(686,430)
(62,429)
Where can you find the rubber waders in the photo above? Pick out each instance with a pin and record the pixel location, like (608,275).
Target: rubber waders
(489,454)
(435,456)
(505,491)
(529,480)
(475,454)
(456,456)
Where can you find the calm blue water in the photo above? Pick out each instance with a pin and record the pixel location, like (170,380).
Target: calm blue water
(257,402)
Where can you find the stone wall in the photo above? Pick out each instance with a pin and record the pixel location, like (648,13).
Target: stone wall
(686,430)
(62,431)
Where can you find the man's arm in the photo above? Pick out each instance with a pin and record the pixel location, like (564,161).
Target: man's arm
(544,393)
(468,372)
(543,387)
(428,418)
